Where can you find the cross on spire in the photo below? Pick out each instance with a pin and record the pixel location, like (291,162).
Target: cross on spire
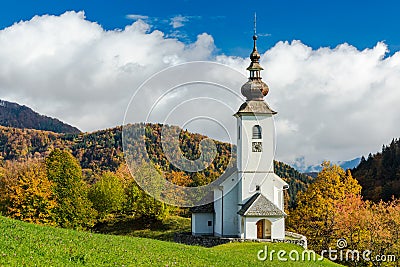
(255,32)
(255,24)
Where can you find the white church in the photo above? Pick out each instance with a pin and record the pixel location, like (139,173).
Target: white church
(249,202)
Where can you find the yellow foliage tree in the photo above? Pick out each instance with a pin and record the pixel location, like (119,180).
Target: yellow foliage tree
(26,192)
(314,215)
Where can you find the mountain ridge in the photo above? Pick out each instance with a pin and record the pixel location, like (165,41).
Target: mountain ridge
(300,165)
(20,116)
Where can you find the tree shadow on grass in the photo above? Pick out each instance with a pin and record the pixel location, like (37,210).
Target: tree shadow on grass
(144,227)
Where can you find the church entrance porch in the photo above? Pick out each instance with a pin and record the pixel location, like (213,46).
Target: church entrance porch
(263,228)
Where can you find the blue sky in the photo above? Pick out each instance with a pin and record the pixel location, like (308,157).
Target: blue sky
(316,23)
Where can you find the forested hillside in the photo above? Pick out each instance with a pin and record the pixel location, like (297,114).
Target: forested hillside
(102,151)
(15,115)
(379,174)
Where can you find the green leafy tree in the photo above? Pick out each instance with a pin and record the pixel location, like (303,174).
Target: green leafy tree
(107,194)
(139,202)
(74,209)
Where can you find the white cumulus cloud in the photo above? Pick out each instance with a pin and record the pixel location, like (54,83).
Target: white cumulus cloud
(136,17)
(178,21)
(68,67)
(342,102)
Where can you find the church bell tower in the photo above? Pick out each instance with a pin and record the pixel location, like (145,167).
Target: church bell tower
(256,131)
(249,200)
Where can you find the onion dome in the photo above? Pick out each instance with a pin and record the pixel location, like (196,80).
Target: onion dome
(255,88)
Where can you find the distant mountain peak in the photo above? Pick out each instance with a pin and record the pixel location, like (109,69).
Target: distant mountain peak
(302,167)
(19,116)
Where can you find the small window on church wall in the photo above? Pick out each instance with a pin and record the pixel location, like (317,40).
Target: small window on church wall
(257,132)
(209,223)
(239,132)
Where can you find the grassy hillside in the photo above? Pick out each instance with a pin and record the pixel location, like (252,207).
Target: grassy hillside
(23,244)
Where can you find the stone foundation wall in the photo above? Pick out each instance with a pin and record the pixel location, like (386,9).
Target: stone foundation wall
(301,240)
(212,241)
(204,241)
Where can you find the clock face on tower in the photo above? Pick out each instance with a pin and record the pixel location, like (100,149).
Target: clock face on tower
(257,147)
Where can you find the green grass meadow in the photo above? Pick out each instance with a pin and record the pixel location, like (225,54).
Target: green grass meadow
(23,244)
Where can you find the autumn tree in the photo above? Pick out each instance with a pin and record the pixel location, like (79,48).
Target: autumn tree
(141,204)
(314,216)
(26,192)
(74,209)
(382,229)
(178,178)
(107,194)
(124,175)
(392,221)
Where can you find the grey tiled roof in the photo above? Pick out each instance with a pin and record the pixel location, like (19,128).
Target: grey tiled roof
(228,173)
(207,208)
(255,107)
(259,205)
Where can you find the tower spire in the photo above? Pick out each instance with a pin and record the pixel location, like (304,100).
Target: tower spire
(255,88)
(255,66)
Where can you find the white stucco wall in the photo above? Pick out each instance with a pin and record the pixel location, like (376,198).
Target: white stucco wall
(249,182)
(218,212)
(255,161)
(230,217)
(256,168)
(200,223)
(271,186)
(226,208)
(250,227)
(277,228)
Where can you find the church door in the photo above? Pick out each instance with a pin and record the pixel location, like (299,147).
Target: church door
(260,229)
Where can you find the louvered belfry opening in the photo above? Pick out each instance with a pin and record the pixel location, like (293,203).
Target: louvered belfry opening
(257,132)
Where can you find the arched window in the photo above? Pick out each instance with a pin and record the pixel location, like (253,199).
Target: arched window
(257,132)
